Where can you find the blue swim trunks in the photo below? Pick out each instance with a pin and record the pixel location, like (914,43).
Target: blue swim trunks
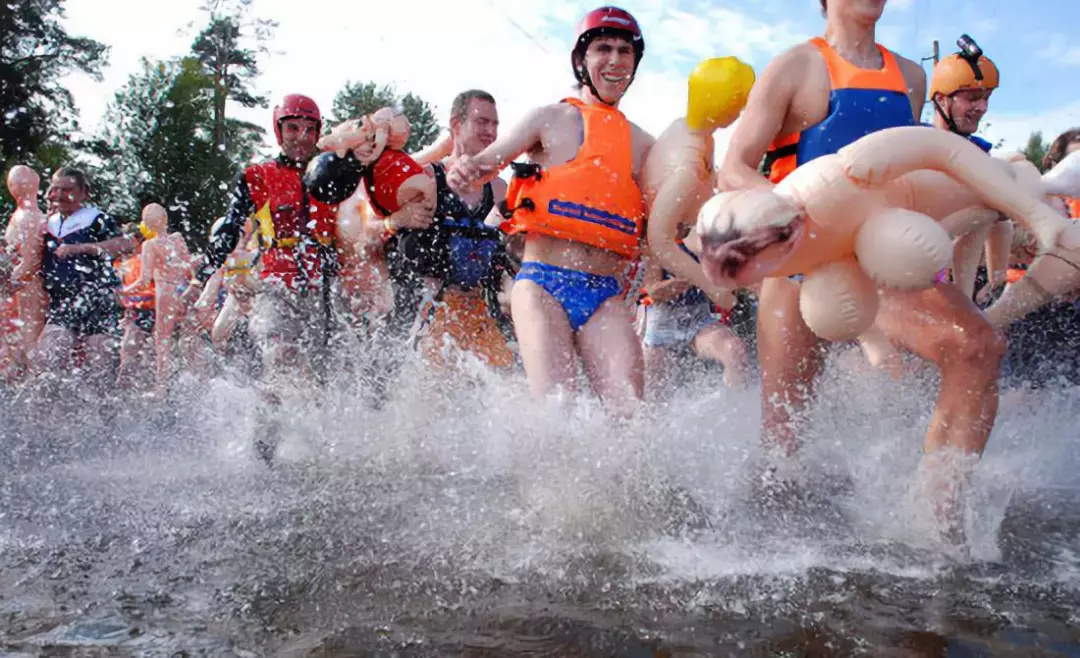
(579,293)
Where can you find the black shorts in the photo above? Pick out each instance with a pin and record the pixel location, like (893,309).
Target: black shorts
(143,318)
(87,312)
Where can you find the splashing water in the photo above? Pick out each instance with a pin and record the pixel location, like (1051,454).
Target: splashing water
(468,520)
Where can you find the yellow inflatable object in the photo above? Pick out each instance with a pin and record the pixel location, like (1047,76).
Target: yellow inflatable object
(146,232)
(717,91)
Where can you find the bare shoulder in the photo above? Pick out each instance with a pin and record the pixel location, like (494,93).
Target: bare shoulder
(913,72)
(797,59)
(640,136)
(498,188)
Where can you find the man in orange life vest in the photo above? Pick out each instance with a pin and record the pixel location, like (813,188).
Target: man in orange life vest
(292,315)
(813,100)
(582,211)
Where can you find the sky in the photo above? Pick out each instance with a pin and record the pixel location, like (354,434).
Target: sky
(519,50)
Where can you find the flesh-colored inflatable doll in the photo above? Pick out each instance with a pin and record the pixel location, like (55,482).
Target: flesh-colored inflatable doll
(365,279)
(166,263)
(865,217)
(678,173)
(24,239)
(392,179)
(1053,274)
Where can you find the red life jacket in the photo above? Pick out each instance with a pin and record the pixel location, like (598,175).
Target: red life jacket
(302,229)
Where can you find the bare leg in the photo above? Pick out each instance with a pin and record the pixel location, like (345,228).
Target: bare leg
(880,352)
(719,343)
(166,312)
(944,327)
(656,370)
(612,355)
(790,356)
(544,338)
(53,350)
(133,347)
(32,302)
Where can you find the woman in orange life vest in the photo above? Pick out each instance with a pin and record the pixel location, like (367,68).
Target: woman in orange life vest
(137,300)
(582,212)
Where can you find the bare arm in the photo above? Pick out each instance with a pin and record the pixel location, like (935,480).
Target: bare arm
(442,148)
(524,137)
(676,207)
(226,321)
(761,122)
(915,77)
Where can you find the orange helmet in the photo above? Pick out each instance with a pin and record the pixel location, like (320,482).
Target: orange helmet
(957,72)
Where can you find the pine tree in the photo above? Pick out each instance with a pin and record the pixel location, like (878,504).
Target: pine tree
(37,114)
(159,141)
(228,48)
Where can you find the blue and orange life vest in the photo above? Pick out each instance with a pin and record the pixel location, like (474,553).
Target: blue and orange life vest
(861,102)
(593,198)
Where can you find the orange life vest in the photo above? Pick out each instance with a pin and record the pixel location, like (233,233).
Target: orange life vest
(1073,204)
(593,198)
(141,298)
(861,102)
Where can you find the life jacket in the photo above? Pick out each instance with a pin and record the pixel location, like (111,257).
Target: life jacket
(458,247)
(1073,204)
(593,198)
(861,102)
(75,274)
(141,298)
(295,230)
(384,178)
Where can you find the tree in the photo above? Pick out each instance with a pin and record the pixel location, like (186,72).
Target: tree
(228,48)
(1036,149)
(37,114)
(358,99)
(159,146)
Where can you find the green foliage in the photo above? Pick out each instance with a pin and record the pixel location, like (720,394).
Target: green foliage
(228,48)
(159,147)
(1036,149)
(37,115)
(358,99)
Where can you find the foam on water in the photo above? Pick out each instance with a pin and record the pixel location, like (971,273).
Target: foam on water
(474,482)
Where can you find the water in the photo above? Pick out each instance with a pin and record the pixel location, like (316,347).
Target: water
(472,522)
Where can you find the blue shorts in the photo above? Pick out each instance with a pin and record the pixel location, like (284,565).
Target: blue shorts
(579,293)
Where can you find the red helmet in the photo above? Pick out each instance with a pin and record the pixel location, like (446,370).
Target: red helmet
(296,105)
(606,21)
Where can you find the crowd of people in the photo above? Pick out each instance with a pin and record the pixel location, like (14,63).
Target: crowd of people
(550,275)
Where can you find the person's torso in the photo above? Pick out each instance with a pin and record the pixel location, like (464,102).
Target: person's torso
(87,225)
(295,230)
(861,102)
(592,199)
(459,248)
